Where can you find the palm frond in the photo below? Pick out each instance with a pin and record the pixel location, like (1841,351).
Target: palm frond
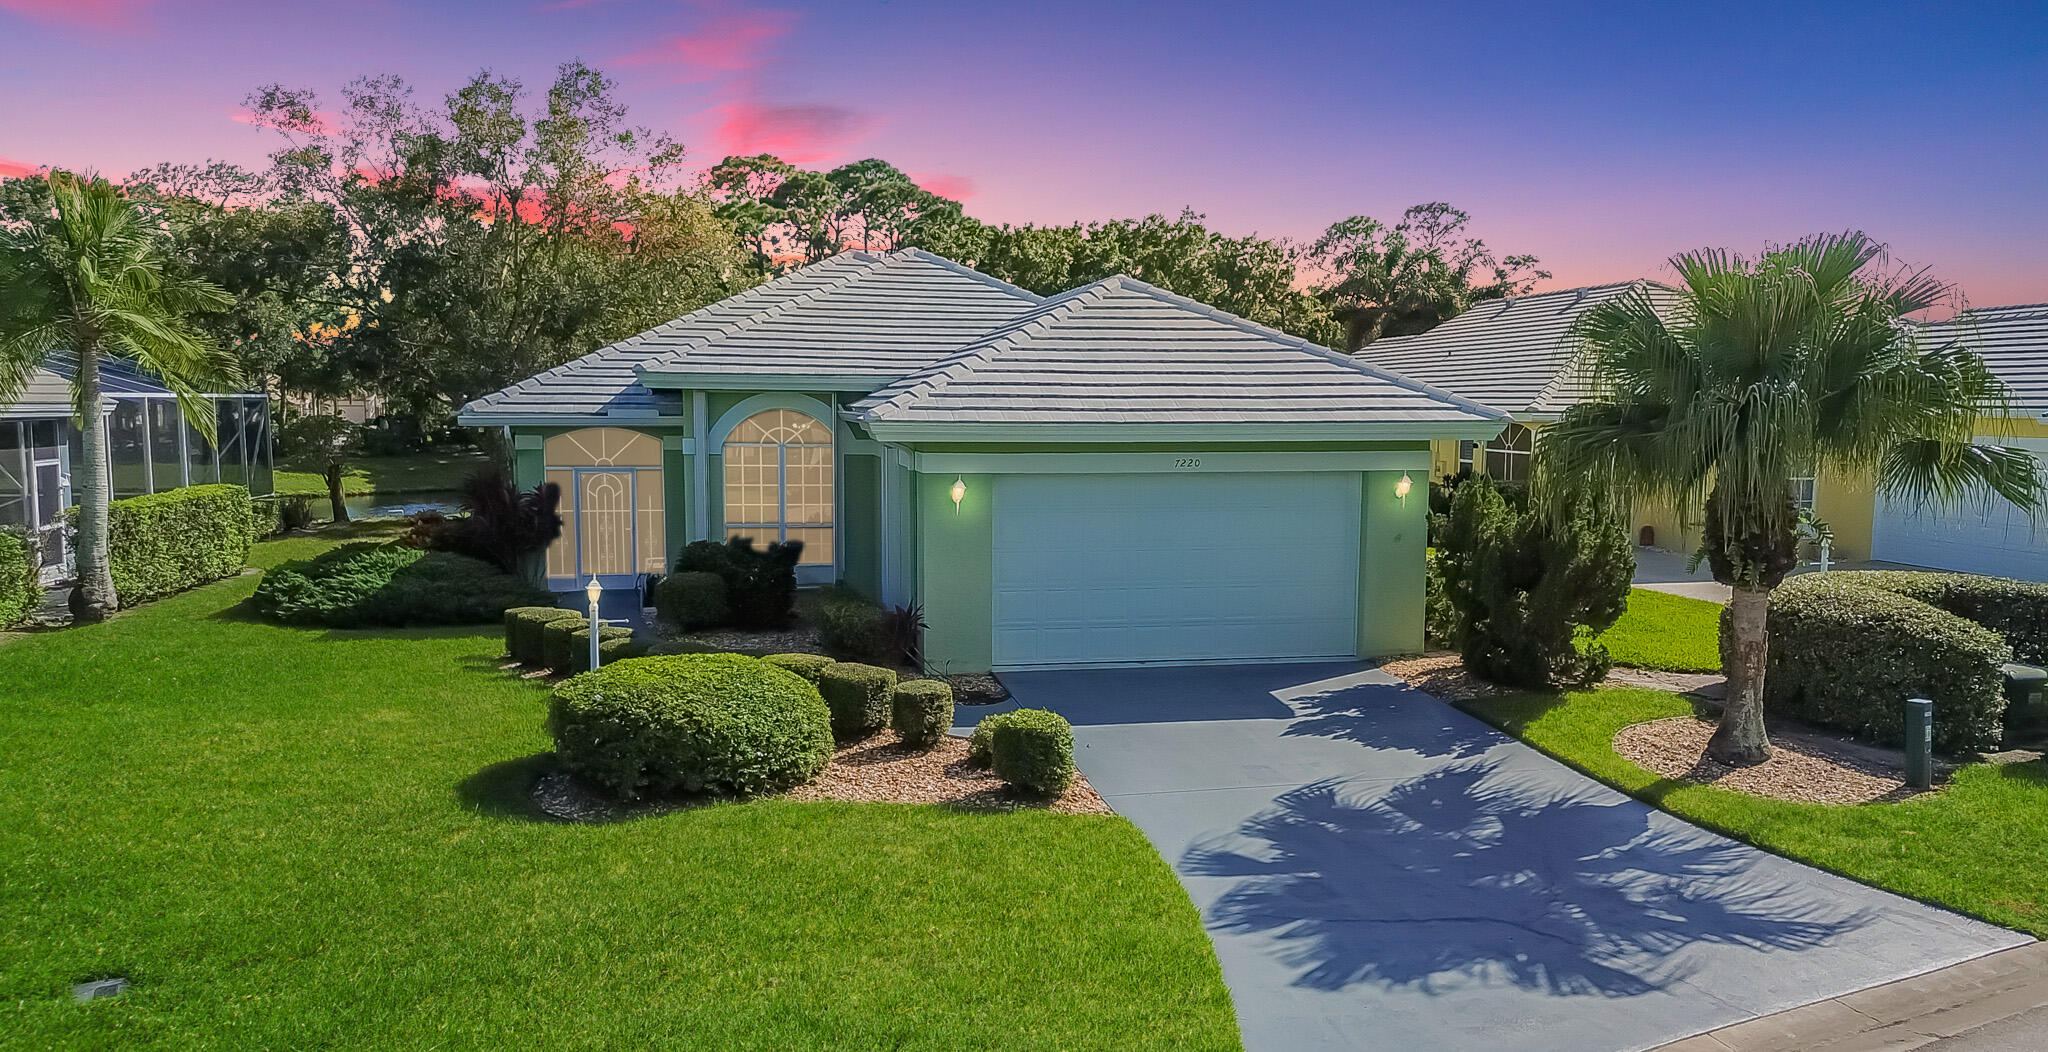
(1950,474)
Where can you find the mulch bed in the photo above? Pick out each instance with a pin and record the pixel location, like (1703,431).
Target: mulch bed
(876,770)
(1805,765)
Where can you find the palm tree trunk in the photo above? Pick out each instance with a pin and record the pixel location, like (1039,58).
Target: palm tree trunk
(1740,741)
(92,599)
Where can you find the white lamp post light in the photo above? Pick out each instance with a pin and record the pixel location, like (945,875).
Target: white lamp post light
(594,590)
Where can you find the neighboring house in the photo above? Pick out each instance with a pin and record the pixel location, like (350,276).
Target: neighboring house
(1115,475)
(150,447)
(1518,355)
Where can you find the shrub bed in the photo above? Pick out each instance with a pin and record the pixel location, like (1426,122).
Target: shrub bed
(362,584)
(21,588)
(163,543)
(921,712)
(718,723)
(692,600)
(760,586)
(1033,750)
(1847,654)
(806,665)
(851,627)
(858,696)
(523,625)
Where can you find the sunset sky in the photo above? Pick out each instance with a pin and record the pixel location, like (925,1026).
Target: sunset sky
(1602,138)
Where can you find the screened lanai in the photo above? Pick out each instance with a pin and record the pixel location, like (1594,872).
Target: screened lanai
(150,447)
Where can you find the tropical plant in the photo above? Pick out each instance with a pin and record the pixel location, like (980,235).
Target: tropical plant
(1756,371)
(329,443)
(89,279)
(504,524)
(1406,278)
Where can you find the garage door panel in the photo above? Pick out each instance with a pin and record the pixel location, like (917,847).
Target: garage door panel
(1987,535)
(1132,569)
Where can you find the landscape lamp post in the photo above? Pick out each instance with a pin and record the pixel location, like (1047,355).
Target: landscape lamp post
(594,590)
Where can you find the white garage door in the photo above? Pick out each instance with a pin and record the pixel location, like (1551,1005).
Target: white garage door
(1989,535)
(1136,569)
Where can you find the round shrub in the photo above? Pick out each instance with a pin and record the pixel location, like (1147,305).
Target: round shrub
(613,642)
(850,626)
(1033,750)
(362,584)
(806,665)
(715,723)
(921,711)
(523,625)
(858,696)
(692,600)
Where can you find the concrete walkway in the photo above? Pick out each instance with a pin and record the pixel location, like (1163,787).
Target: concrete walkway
(1662,571)
(1379,870)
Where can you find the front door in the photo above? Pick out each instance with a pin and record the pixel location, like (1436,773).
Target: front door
(605,541)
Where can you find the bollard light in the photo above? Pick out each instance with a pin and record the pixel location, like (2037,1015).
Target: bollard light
(1919,743)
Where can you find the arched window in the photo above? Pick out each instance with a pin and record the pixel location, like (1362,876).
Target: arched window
(612,509)
(778,482)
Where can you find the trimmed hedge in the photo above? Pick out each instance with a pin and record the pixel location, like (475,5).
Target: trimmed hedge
(851,627)
(858,696)
(363,584)
(806,665)
(160,544)
(614,643)
(21,586)
(1033,750)
(921,712)
(1847,654)
(523,626)
(2016,610)
(692,600)
(717,723)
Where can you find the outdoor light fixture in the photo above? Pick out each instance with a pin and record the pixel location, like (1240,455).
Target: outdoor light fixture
(1402,487)
(594,590)
(959,492)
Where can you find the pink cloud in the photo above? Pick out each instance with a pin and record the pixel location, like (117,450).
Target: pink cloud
(12,169)
(729,43)
(90,14)
(800,134)
(951,187)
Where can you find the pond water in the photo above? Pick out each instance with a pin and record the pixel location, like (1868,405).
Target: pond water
(397,505)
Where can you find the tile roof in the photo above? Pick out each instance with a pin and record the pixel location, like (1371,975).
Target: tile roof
(857,314)
(1514,354)
(1123,352)
(2013,342)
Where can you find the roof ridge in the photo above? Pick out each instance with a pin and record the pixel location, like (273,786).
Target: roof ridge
(869,263)
(1336,357)
(936,376)
(913,252)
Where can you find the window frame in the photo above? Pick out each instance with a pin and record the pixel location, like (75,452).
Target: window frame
(782,526)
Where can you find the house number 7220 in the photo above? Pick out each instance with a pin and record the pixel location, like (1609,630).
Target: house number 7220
(1187,462)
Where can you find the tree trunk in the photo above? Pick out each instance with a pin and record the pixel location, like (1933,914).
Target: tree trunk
(333,474)
(1740,741)
(92,599)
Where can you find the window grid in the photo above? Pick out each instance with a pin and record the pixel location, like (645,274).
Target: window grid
(779,484)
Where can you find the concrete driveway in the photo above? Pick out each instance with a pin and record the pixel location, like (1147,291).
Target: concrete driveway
(1379,870)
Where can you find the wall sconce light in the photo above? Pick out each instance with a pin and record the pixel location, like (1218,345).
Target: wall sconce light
(1402,487)
(958,492)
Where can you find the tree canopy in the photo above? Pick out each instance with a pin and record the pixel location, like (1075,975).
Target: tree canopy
(1406,278)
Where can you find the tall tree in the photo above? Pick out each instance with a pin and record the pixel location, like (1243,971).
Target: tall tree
(1762,370)
(91,278)
(1403,279)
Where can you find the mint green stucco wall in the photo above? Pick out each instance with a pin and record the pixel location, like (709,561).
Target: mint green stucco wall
(953,575)
(860,481)
(1391,567)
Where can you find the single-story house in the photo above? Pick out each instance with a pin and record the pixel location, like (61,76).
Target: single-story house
(1518,355)
(1115,475)
(150,447)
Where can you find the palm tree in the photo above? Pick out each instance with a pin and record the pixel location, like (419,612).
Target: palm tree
(1758,371)
(91,277)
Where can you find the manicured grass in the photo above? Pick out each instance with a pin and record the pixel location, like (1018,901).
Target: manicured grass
(304,838)
(1979,846)
(411,473)
(1667,632)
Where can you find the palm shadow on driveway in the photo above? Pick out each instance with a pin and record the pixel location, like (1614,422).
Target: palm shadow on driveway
(1469,874)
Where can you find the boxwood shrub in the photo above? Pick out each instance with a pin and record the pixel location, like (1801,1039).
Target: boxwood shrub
(2016,610)
(858,696)
(159,544)
(692,600)
(523,626)
(363,584)
(806,665)
(851,627)
(21,589)
(1033,750)
(1847,654)
(921,712)
(717,723)
(614,643)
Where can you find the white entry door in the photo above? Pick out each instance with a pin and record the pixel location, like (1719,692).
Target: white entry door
(1988,536)
(1174,569)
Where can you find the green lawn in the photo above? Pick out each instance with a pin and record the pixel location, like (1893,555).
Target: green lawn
(1667,632)
(1979,846)
(305,838)
(410,473)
